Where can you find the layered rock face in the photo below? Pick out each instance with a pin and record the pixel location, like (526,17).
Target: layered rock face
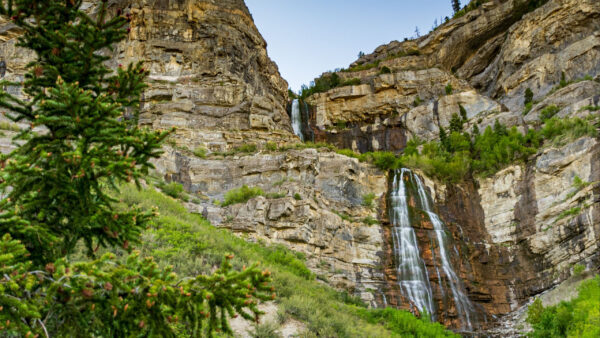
(520,231)
(313,203)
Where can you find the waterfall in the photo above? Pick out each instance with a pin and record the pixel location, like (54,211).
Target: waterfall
(297,119)
(464,307)
(411,271)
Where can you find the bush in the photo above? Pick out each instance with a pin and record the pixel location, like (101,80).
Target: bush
(417,102)
(297,197)
(241,195)
(385,70)
(265,330)
(271,146)
(528,107)
(528,96)
(549,112)
(561,131)
(172,189)
(200,152)
(579,317)
(368,200)
(350,82)
(578,269)
(246,148)
(448,89)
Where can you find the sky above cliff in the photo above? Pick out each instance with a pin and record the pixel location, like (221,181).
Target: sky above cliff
(307,38)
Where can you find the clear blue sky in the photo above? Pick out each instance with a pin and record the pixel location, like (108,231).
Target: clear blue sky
(306,38)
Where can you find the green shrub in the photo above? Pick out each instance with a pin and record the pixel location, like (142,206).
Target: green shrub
(448,89)
(246,148)
(579,317)
(348,152)
(417,102)
(370,220)
(404,324)
(271,146)
(200,152)
(350,82)
(549,112)
(528,95)
(567,213)
(368,200)
(241,195)
(172,189)
(265,330)
(561,131)
(578,269)
(5,125)
(297,197)
(385,70)
(534,312)
(528,107)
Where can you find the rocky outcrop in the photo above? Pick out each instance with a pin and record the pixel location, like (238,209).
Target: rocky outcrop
(314,202)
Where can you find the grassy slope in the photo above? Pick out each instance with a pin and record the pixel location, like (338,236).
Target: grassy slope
(193,246)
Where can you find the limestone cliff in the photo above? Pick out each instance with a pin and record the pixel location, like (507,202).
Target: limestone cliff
(519,232)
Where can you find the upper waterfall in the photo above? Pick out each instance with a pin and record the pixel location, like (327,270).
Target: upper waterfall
(297,119)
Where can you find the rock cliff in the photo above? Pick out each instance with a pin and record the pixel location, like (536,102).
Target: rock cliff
(521,230)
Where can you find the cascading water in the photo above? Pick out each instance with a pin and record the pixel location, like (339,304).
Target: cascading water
(297,119)
(464,307)
(412,273)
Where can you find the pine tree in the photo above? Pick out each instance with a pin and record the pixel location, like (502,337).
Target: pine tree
(56,187)
(456,5)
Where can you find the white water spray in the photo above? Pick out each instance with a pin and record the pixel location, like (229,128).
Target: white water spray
(297,119)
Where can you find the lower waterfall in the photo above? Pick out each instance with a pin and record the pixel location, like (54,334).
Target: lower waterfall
(413,278)
(410,268)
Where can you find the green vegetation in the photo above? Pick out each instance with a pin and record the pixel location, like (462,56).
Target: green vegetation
(243,149)
(200,152)
(528,95)
(567,213)
(271,146)
(275,195)
(563,82)
(297,197)
(172,189)
(370,220)
(5,125)
(559,132)
(528,107)
(241,195)
(448,89)
(191,245)
(417,102)
(404,324)
(325,83)
(265,330)
(549,112)
(579,317)
(368,200)
(385,70)
(578,185)
(590,108)
(578,269)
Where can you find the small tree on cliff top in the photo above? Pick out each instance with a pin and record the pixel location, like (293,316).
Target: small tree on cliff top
(54,188)
(456,5)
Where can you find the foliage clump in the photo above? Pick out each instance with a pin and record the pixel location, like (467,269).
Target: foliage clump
(241,195)
(579,317)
